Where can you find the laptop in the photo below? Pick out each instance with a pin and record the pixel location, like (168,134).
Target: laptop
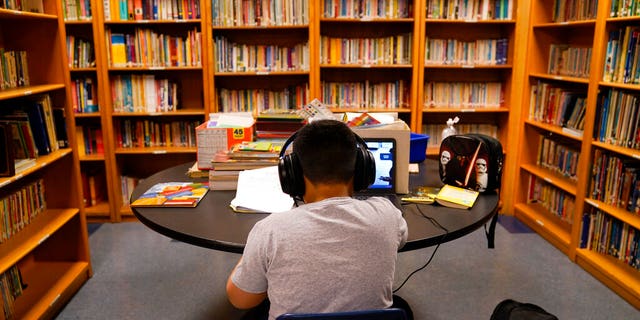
(384,185)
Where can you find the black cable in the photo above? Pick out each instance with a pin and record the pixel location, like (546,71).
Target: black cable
(446,232)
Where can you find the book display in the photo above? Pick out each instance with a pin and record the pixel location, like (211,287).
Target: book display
(44,252)
(576,178)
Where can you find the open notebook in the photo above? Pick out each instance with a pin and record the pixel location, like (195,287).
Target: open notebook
(384,185)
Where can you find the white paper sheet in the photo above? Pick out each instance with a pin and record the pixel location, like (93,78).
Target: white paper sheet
(259,189)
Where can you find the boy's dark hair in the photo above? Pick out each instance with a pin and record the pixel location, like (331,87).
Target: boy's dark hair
(327,151)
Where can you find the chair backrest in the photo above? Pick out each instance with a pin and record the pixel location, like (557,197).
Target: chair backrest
(377,314)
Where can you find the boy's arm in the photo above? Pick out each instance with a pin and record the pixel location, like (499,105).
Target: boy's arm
(242,299)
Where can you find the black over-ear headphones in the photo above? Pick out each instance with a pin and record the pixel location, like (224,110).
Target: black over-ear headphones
(290,170)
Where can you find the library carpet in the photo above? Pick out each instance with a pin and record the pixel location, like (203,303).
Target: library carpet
(140,274)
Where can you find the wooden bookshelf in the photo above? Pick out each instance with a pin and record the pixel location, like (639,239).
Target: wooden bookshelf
(572,35)
(50,248)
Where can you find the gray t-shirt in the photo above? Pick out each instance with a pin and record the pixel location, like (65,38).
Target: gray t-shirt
(333,255)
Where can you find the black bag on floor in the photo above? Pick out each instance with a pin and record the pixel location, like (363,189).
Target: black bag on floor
(513,310)
(471,161)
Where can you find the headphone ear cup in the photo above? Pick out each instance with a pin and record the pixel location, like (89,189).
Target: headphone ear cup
(291,178)
(365,171)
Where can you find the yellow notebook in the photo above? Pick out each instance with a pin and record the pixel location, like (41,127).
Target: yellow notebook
(455,197)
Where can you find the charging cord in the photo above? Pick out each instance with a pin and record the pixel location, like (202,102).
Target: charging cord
(446,232)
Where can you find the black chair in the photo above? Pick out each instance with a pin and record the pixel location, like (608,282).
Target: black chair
(377,314)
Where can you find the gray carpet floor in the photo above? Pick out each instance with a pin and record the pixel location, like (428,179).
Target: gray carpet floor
(140,274)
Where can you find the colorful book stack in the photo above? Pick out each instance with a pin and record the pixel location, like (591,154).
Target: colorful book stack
(243,156)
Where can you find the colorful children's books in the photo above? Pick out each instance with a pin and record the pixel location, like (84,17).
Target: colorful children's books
(172,194)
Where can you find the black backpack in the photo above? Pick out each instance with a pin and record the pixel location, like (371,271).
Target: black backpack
(472,161)
(513,310)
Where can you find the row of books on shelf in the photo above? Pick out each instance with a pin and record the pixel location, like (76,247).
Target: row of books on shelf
(83,95)
(135,10)
(288,98)
(147,133)
(618,119)
(622,55)
(148,48)
(565,11)
(14,69)
(367,94)
(89,139)
(24,5)
(558,106)
(238,57)
(566,60)
(74,10)
(11,287)
(362,9)
(558,158)
(381,50)
(554,200)
(435,131)
(259,13)
(615,181)
(458,52)
(610,236)
(31,128)
(143,93)
(19,208)
(80,52)
(470,10)
(624,8)
(463,95)
(93,187)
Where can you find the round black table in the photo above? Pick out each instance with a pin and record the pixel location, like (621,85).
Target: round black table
(212,224)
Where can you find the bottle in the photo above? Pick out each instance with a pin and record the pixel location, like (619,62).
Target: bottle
(450,130)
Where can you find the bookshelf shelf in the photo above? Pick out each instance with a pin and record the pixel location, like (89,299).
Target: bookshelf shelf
(565,24)
(473,66)
(620,278)
(262,73)
(465,110)
(537,218)
(559,78)
(552,129)
(23,15)
(633,153)
(100,209)
(29,90)
(87,115)
(49,283)
(460,21)
(177,113)
(367,20)
(301,27)
(155,150)
(551,177)
(41,162)
(619,213)
(40,229)
(151,22)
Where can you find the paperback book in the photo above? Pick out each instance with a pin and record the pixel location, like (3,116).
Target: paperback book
(172,194)
(455,197)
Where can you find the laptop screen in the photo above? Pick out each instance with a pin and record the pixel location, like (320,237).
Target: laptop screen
(383,150)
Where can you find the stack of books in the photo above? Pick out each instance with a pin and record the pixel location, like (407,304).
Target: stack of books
(278,125)
(226,165)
